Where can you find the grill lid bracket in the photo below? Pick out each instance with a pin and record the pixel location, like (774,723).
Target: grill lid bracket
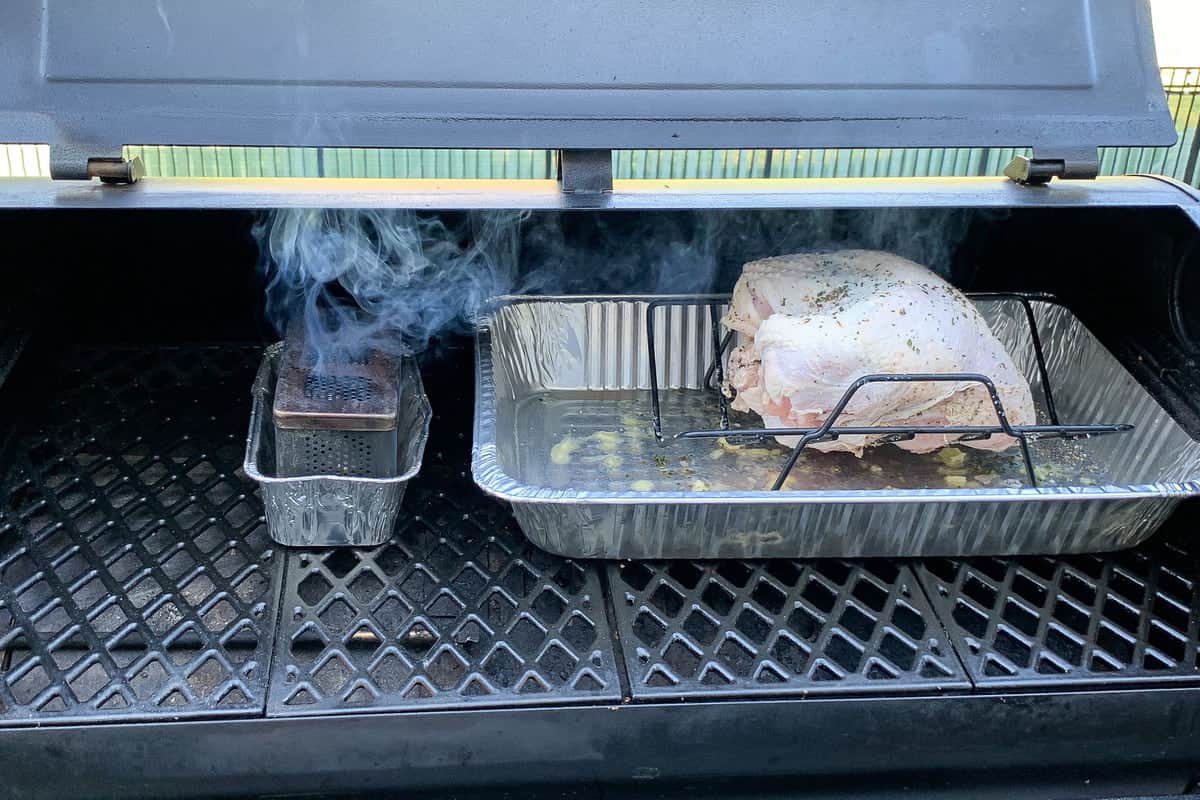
(75,162)
(585,171)
(1067,163)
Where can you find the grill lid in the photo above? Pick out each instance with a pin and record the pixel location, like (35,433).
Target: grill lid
(576,74)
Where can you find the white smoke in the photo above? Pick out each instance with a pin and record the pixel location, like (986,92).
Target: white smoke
(383,279)
(395,280)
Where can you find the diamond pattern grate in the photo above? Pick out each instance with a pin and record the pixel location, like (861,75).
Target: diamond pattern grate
(1088,619)
(779,627)
(137,582)
(136,576)
(458,609)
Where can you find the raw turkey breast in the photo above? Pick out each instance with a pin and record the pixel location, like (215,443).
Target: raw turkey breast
(815,322)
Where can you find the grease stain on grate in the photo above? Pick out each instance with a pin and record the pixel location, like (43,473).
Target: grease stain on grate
(704,629)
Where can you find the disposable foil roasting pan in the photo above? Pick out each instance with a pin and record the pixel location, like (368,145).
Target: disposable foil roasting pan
(333,510)
(563,432)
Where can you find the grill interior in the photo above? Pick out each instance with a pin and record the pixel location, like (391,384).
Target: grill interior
(137,582)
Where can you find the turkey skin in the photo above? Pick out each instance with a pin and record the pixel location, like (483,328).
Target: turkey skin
(812,323)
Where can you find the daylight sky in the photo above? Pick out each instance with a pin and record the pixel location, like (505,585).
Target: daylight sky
(1177,32)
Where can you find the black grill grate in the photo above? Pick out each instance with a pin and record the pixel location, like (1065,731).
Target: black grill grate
(781,627)
(136,577)
(1088,619)
(458,609)
(137,582)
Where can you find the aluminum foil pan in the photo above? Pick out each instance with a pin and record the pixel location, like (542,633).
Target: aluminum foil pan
(563,432)
(333,510)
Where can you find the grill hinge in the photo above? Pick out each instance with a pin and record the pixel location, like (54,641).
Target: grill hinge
(585,171)
(1076,163)
(75,163)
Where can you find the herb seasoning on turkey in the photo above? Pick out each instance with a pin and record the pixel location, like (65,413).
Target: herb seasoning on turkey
(815,322)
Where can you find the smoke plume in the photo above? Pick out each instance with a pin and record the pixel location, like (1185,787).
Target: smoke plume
(395,280)
(382,279)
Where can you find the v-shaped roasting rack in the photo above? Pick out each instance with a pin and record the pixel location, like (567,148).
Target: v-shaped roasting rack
(714,379)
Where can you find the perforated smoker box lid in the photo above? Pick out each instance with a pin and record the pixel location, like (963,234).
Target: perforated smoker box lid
(347,395)
(1050,74)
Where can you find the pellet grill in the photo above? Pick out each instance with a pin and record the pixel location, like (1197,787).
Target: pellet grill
(154,641)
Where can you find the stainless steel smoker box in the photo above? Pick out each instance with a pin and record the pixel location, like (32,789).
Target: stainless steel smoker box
(550,366)
(342,419)
(326,510)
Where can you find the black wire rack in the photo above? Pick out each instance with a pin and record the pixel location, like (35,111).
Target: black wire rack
(714,379)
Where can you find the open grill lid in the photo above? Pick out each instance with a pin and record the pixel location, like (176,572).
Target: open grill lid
(1061,76)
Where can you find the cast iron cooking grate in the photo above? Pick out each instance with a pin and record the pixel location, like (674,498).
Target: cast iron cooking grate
(136,576)
(781,627)
(457,609)
(1086,619)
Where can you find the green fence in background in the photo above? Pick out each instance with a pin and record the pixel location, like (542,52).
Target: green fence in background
(343,162)
(1182,85)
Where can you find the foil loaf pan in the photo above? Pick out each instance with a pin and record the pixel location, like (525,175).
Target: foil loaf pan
(563,433)
(333,510)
